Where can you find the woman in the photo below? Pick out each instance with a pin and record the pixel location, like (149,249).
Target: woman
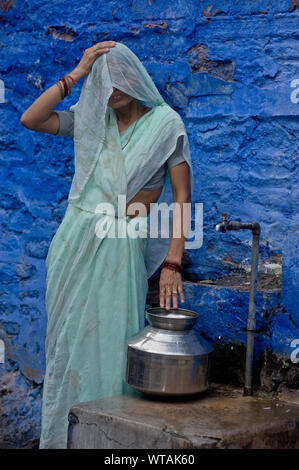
(128,142)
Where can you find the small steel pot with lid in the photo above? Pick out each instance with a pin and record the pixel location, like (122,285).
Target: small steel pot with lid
(168,357)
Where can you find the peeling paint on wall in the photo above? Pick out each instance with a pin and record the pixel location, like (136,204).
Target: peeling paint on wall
(163,25)
(62,32)
(208,12)
(294,5)
(200,62)
(5,5)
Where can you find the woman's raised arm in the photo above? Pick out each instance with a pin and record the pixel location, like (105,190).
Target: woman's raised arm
(40,116)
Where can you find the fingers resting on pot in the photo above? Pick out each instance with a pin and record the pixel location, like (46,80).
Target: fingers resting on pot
(170,288)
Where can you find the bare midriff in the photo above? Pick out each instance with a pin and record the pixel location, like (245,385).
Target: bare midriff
(146,198)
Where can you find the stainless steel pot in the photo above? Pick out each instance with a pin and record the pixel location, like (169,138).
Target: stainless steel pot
(168,357)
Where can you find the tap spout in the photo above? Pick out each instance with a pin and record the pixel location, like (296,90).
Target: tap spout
(222,227)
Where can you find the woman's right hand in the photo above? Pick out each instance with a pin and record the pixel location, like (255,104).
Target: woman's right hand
(90,55)
(40,116)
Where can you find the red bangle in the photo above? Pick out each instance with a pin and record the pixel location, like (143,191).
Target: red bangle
(74,81)
(66,89)
(173,266)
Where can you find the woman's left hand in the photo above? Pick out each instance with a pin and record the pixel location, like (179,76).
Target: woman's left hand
(170,284)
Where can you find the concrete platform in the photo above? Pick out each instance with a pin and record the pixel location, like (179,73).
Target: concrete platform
(221,418)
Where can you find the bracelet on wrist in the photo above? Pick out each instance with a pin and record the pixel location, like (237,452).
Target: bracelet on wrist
(174,266)
(65,85)
(73,80)
(61,89)
(66,89)
(69,84)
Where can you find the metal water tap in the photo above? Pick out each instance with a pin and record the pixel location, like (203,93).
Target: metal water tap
(256,230)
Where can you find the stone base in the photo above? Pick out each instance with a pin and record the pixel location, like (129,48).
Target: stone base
(221,418)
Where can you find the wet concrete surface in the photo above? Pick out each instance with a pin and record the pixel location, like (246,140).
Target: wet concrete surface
(220,418)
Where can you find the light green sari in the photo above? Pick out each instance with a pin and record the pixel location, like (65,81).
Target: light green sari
(97,286)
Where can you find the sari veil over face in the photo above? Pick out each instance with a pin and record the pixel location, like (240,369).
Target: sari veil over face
(97,286)
(96,133)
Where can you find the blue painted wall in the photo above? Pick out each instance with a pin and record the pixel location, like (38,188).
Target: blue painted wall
(229,69)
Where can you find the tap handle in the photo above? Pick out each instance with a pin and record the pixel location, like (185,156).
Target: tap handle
(224,216)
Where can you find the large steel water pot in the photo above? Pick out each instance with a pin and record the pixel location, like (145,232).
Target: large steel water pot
(168,357)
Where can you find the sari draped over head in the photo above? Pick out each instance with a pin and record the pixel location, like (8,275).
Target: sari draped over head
(96,136)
